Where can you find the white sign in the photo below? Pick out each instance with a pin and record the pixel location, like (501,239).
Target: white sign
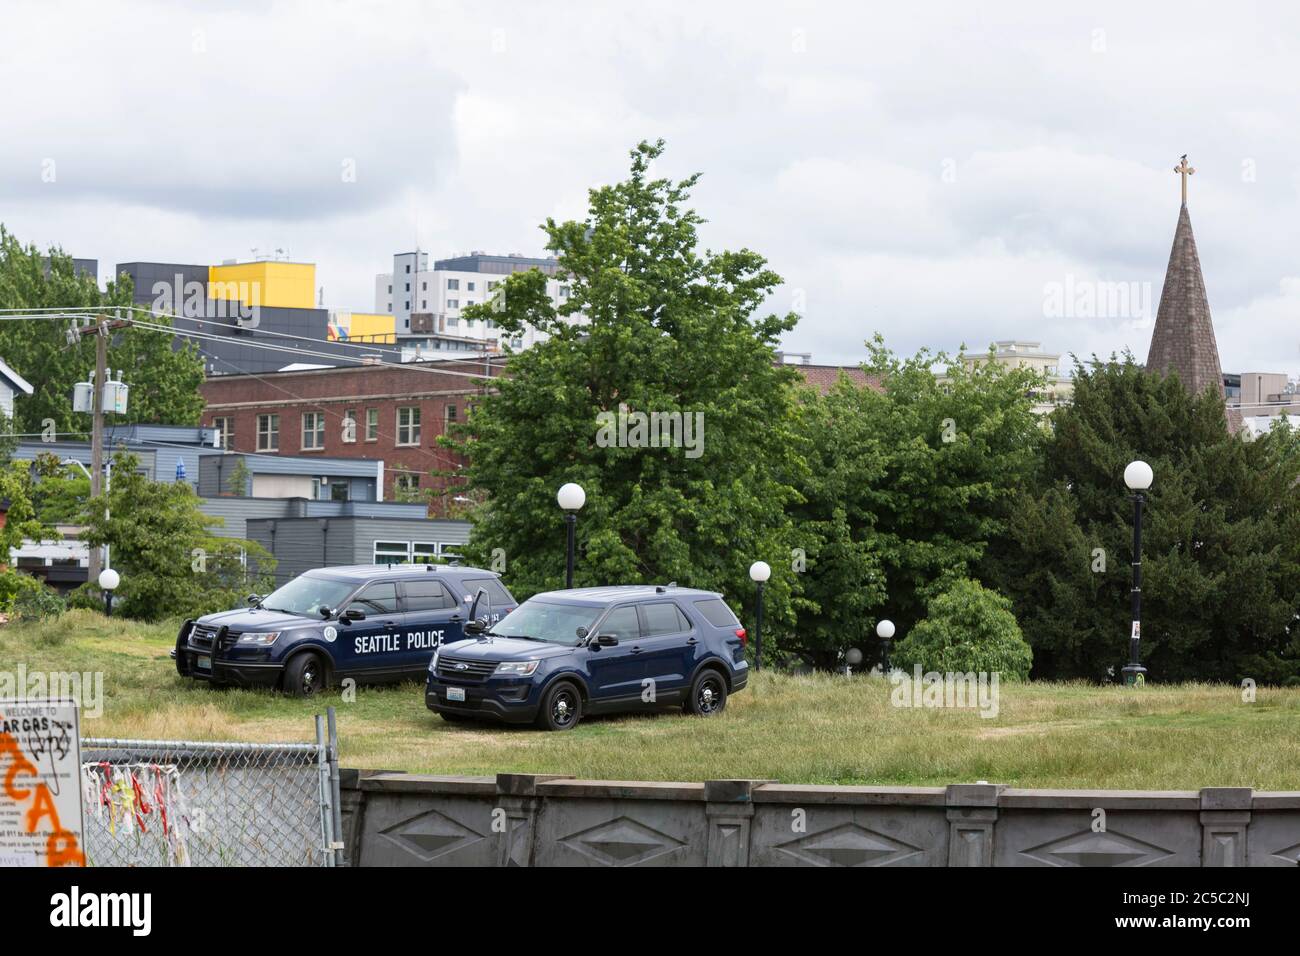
(1137,630)
(40,798)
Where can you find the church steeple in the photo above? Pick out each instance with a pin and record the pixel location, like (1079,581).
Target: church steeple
(1183,339)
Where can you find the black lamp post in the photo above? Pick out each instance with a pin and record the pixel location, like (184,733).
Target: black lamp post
(759,572)
(885,631)
(1138,477)
(571,498)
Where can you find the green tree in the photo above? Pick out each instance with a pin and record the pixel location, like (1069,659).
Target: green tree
(967,628)
(1220,545)
(164,379)
(908,485)
(162,546)
(669,329)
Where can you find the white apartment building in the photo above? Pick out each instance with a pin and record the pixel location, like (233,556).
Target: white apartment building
(427,304)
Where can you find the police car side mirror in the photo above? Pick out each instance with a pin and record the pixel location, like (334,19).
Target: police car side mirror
(607,640)
(354,614)
(475,627)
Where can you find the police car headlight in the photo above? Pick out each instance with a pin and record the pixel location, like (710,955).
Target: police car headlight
(258,638)
(515,668)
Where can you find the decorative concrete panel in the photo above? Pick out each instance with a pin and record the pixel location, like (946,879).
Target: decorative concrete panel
(530,820)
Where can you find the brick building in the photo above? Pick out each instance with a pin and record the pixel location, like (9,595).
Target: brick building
(374,412)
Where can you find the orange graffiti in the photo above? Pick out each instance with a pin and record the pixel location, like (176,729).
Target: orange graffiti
(61,846)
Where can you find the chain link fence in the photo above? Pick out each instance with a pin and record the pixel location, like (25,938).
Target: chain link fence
(186,803)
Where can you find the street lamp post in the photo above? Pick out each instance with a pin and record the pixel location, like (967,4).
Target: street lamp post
(759,572)
(885,631)
(108,582)
(1138,477)
(571,498)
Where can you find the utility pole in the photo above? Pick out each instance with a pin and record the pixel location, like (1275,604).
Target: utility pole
(102,329)
(97,429)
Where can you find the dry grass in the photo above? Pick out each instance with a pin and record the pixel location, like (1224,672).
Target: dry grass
(819,729)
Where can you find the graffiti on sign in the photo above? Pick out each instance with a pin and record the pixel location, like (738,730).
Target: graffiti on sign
(40,784)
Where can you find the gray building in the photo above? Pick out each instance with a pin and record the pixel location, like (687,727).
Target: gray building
(305,534)
(230,346)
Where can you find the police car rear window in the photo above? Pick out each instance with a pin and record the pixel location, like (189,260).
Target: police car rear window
(496,592)
(716,612)
(426,596)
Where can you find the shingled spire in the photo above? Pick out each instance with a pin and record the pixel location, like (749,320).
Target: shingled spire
(1183,340)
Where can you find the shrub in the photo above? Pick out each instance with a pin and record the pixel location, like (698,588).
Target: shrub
(28,599)
(967,628)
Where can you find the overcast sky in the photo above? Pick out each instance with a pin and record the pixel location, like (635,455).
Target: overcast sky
(942,173)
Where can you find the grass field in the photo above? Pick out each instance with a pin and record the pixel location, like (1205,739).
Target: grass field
(820,729)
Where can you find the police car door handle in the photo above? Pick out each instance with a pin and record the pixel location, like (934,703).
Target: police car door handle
(635,650)
(691,640)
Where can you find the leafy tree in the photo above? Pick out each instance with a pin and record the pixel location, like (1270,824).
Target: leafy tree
(21,520)
(169,560)
(164,379)
(1220,542)
(907,485)
(669,329)
(966,628)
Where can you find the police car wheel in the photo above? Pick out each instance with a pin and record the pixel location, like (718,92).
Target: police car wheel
(561,708)
(708,694)
(304,676)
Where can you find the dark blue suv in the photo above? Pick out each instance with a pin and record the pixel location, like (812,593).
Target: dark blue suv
(372,623)
(563,654)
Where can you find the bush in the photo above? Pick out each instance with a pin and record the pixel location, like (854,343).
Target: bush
(967,628)
(28,599)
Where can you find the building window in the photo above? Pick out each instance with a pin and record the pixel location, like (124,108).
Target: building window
(453,303)
(470,286)
(408,305)
(390,288)
(453,321)
(392,552)
(408,268)
(424,303)
(350,425)
(268,432)
(564,292)
(227,428)
(408,287)
(407,483)
(453,284)
(424,552)
(451,414)
(424,287)
(372,424)
(313,431)
(408,426)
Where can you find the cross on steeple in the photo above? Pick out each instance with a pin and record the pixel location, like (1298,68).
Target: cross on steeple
(1184,170)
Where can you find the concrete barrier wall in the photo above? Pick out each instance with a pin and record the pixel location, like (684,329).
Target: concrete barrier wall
(396,819)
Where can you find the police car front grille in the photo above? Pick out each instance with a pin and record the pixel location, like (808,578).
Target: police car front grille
(459,669)
(202,636)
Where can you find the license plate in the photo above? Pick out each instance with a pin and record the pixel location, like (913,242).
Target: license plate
(456,693)
(203,662)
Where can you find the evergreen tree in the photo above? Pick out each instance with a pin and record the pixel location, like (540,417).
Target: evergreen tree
(1220,540)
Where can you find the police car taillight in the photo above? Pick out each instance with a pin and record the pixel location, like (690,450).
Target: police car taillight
(740,633)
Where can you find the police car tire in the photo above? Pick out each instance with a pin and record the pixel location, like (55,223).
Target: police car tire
(545,717)
(295,671)
(719,688)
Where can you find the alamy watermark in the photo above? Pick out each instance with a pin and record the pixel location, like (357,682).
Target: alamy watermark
(86,688)
(239,301)
(951,689)
(629,429)
(1095,299)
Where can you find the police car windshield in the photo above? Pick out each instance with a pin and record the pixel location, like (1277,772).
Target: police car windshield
(306,595)
(545,621)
